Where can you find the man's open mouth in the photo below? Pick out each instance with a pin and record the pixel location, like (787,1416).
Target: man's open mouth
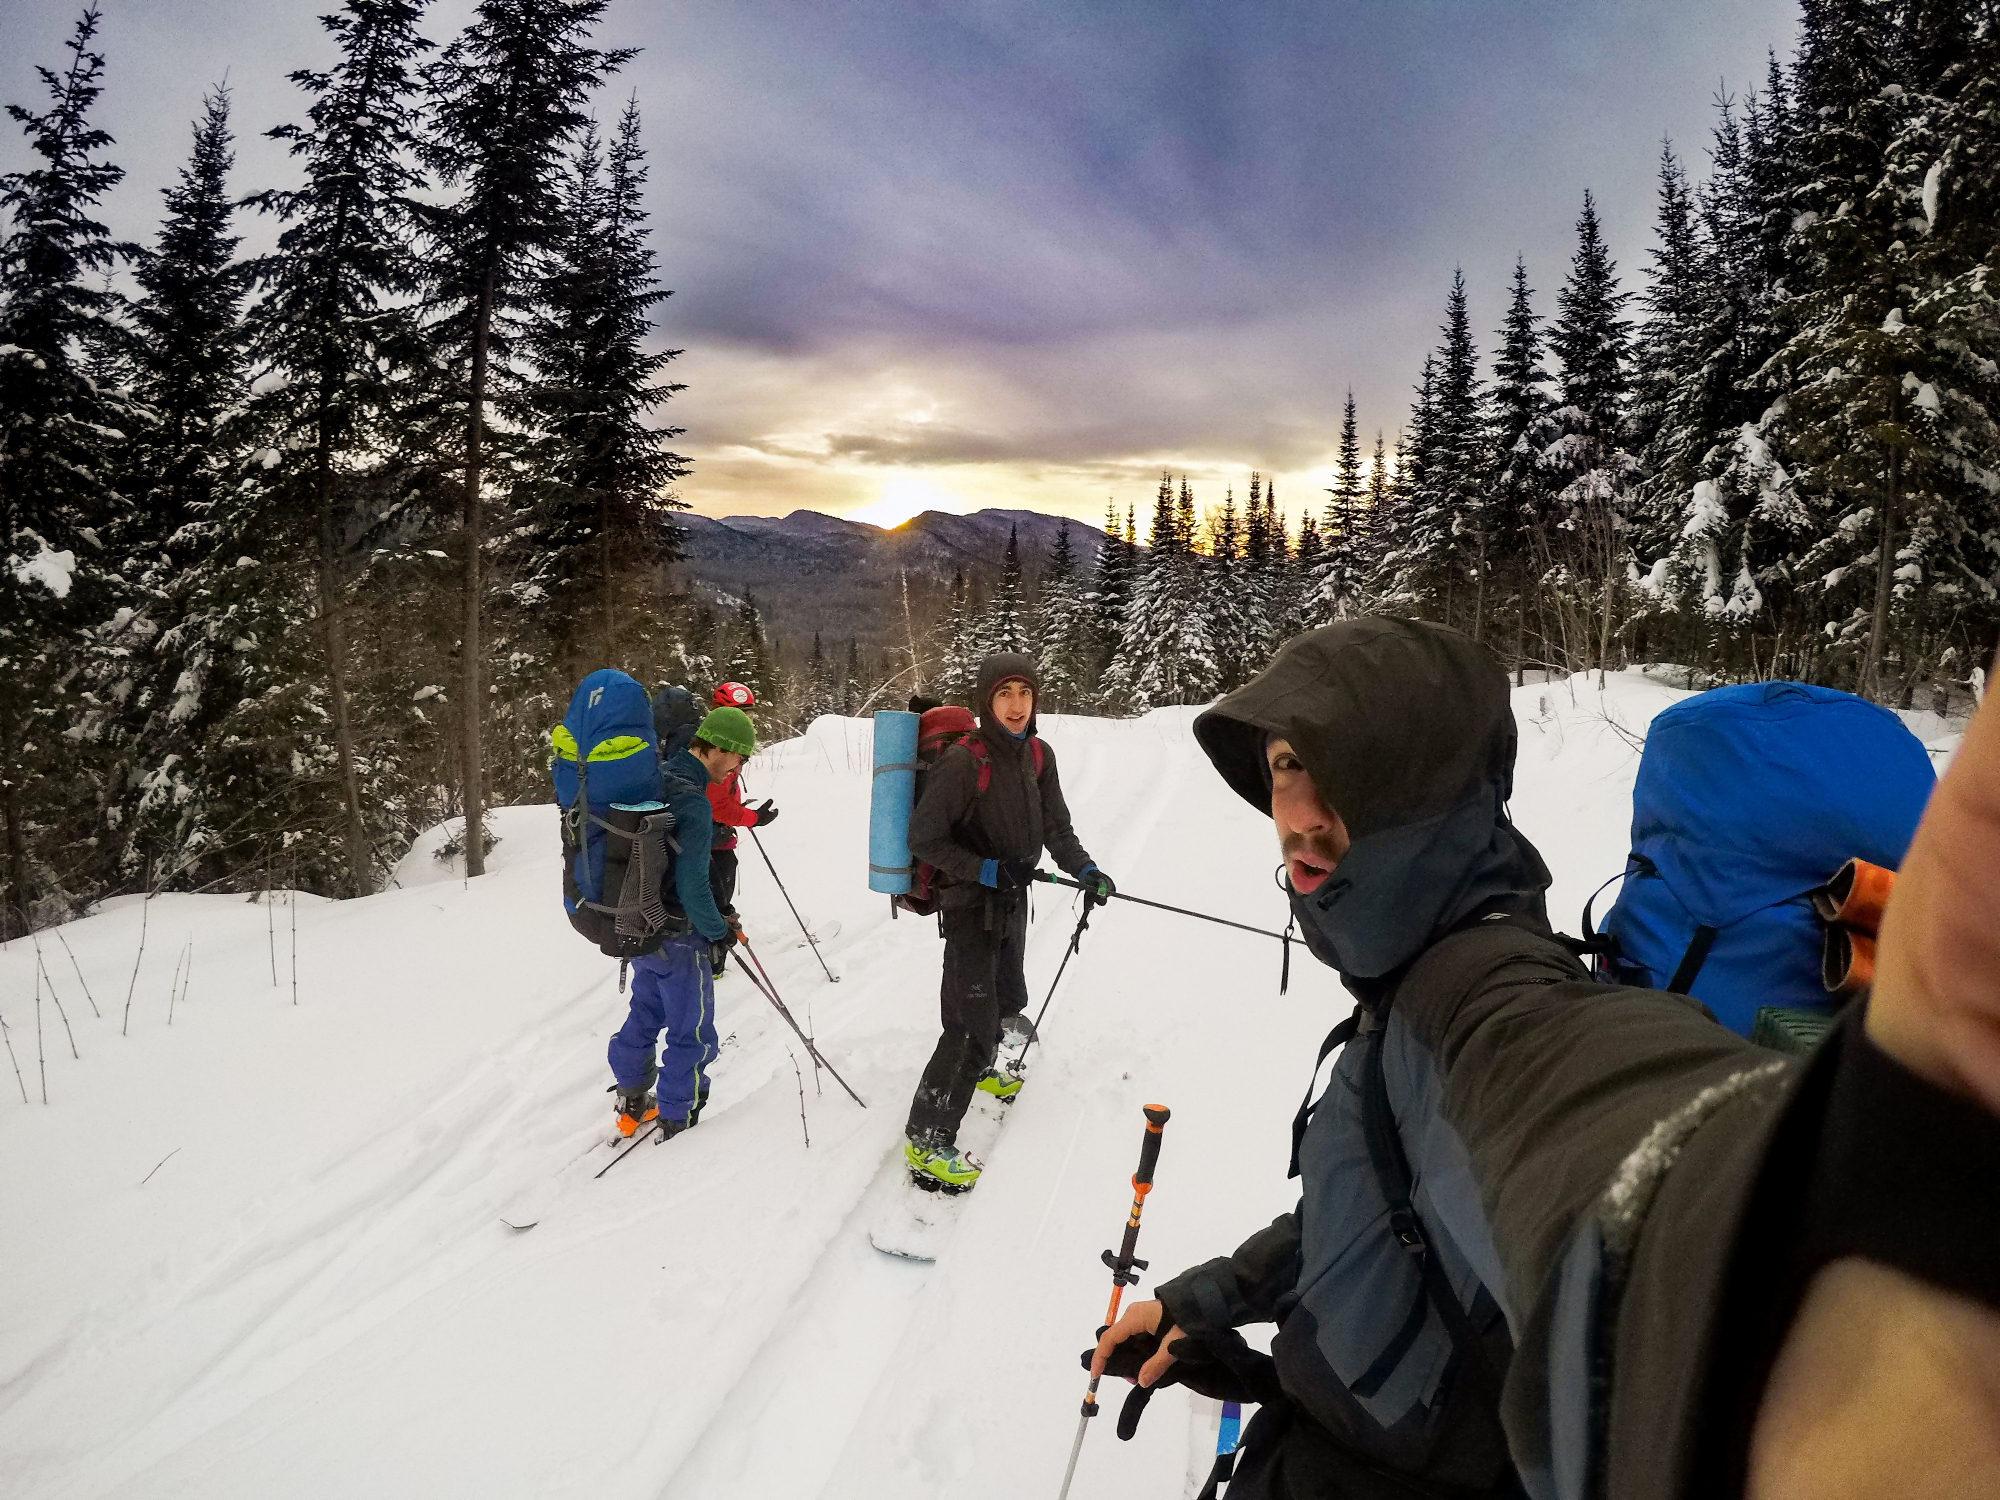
(1308,871)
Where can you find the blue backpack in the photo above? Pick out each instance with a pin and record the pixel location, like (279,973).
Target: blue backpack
(1748,798)
(618,843)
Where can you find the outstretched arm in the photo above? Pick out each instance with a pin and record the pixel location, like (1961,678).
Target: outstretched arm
(1887,1386)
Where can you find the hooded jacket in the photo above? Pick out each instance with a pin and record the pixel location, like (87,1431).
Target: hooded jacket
(1580,1155)
(958,828)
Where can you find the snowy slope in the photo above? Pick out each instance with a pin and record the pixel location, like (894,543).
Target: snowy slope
(312,1294)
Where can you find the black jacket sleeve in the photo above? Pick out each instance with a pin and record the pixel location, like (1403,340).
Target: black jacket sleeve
(950,786)
(1233,1290)
(1615,1137)
(1058,837)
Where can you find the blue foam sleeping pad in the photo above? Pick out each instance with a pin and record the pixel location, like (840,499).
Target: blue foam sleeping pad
(891,800)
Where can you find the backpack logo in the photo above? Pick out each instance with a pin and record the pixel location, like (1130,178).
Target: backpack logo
(596,697)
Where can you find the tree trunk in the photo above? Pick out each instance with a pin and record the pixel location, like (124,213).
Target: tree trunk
(333,624)
(604,569)
(17,843)
(1610,583)
(1885,571)
(1479,592)
(474,793)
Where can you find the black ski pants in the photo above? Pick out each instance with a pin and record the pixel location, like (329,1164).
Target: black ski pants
(984,946)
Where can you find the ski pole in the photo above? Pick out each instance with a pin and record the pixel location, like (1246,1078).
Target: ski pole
(1035,1026)
(656,1128)
(811,941)
(772,996)
(1123,1266)
(773,985)
(1179,911)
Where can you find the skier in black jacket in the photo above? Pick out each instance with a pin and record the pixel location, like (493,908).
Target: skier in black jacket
(1568,1240)
(985,841)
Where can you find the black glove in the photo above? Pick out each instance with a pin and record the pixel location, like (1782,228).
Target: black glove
(1015,873)
(768,813)
(718,950)
(1098,887)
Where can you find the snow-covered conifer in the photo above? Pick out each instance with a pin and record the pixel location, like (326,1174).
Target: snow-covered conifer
(589,542)
(337,360)
(60,434)
(507,101)
(1063,638)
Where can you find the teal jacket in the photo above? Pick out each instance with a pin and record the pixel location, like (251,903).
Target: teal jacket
(685,782)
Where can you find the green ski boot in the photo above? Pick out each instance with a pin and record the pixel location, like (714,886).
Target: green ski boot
(1002,1086)
(940,1169)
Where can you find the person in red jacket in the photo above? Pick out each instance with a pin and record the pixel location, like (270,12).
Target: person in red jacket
(725,801)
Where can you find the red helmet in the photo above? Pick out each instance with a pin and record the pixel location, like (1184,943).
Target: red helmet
(734,695)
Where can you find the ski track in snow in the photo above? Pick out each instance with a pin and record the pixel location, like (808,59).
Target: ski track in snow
(314,1296)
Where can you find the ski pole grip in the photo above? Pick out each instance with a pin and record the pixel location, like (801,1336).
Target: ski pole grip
(1149,1152)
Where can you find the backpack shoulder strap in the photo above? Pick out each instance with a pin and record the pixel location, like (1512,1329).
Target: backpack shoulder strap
(1036,753)
(1393,1175)
(983,759)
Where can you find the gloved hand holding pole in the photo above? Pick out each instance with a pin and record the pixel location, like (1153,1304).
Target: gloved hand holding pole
(1123,1265)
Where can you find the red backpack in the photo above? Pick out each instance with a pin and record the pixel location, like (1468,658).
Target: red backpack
(937,731)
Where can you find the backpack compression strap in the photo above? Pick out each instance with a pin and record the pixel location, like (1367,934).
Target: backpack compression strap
(982,757)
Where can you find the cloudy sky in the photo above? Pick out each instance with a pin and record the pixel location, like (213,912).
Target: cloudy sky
(995,252)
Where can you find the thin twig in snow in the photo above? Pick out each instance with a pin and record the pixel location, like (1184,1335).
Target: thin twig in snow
(145,906)
(79,976)
(183,977)
(40,1061)
(800,1078)
(270,925)
(292,905)
(157,1165)
(58,1000)
(174,985)
(8,1036)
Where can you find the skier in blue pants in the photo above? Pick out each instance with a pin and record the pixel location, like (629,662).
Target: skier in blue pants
(673,989)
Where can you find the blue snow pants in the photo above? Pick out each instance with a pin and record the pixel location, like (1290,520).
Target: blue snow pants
(672,990)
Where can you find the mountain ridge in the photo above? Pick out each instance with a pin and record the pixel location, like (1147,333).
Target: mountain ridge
(813,572)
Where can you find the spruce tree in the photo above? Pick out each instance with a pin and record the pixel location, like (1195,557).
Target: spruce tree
(1452,518)
(1582,457)
(1165,654)
(1340,571)
(336,354)
(595,534)
(1401,559)
(1225,598)
(749,661)
(1109,597)
(507,99)
(1004,627)
(1516,404)
(958,644)
(189,364)
(1063,635)
(852,689)
(61,432)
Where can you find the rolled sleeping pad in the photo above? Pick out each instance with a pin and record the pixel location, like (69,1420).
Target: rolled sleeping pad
(890,801)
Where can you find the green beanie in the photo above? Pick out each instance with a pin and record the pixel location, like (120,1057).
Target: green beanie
(729,729)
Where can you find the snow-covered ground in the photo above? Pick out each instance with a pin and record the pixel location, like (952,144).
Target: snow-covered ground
(251,1245)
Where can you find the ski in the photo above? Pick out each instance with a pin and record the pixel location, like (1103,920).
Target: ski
(917,1223)
(533,1203)
(824,934)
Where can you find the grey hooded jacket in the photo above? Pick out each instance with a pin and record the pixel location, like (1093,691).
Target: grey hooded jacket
(1581,1155)
(957,827)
